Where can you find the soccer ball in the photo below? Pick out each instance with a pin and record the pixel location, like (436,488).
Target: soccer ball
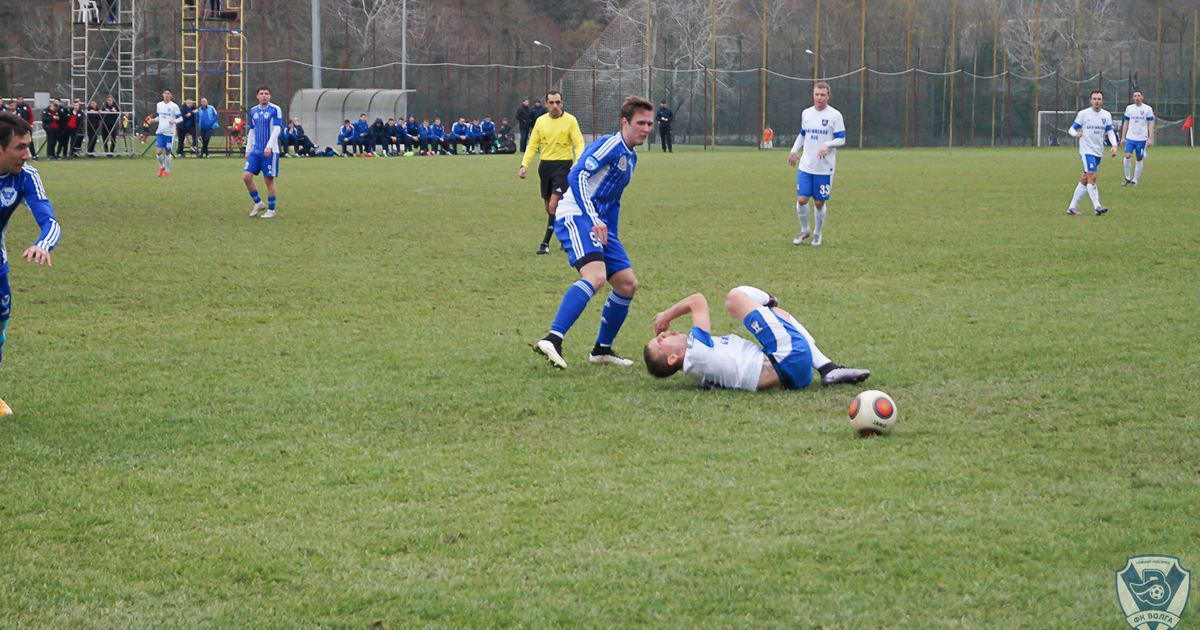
(873,413)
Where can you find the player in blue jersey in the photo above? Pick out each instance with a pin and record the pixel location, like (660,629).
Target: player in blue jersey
(587,223)
(262,151)
(20,182)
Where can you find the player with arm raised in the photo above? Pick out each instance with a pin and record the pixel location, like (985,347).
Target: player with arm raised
(1091,127)
(587,223)
(786,358)
(168,117)
(262,151)
(20,182)
(1138,132)
(822,131)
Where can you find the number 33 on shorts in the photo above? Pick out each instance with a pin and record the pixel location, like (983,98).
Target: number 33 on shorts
(825,190)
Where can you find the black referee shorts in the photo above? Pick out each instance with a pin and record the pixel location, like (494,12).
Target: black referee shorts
(554,177)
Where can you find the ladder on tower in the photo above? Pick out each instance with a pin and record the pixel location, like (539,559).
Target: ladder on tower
(104,59)
(226,23)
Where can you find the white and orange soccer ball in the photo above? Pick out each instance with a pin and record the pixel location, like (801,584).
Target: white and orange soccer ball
(873,413)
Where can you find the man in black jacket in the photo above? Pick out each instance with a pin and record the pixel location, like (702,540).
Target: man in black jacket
(524,122)
(93,127)
(51,125)
(26,112)
(664,118)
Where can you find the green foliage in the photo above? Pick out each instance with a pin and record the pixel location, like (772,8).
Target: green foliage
(335,418)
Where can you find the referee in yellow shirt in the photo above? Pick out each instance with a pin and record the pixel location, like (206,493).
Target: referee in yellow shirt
(556,134)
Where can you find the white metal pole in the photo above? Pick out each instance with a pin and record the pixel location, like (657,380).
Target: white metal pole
(316,44)
(404,45)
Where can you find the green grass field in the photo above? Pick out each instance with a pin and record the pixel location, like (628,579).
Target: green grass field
(335,418)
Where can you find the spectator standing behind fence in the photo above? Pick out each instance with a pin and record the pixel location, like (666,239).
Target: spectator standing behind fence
(110,117)
(77,123)
(664,117)
(94,125)
(538,110)
(524,118)
(187,126)
(50,126)
(558,137)
(26,112)
(208,121)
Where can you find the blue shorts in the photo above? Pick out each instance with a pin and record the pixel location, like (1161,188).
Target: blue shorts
(582,247)
(163,141)
(1091,163)
(785,346)
(816,186)
(1136,146)
(268,166)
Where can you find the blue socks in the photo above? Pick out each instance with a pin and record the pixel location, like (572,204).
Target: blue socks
(270,203)
(616,307)
(255,197)
(574,301)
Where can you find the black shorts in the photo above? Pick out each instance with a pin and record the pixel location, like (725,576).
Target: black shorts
(554,177)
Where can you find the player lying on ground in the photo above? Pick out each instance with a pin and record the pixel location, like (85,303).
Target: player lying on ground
(786,359)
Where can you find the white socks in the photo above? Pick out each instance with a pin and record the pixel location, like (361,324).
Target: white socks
(820,219)
(756,294)
(167,161)
(802,214)
(1080,191)
(1137,171)
(160,161)
(1127,160)
(1094,193)
(819,359)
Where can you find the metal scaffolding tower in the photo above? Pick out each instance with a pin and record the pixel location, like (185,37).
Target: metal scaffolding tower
(223,19)
(102,59)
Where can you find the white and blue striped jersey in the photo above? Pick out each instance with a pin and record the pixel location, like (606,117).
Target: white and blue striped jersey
(266,122)
(1140,119)
(168,116)
(597,181)
(26,186)
(1092,126)
(817,128)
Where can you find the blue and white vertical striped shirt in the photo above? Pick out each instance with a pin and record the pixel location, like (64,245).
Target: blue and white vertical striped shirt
(26,186)
(599,178)
(266,123)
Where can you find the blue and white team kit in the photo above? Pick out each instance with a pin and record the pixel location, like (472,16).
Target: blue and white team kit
(1140,119)
(1092,126)
(266,123)
(815,177)
(597,180)
(731,362)
(26,187)
(168,116)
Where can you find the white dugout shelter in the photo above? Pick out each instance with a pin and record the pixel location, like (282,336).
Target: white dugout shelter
(321,111)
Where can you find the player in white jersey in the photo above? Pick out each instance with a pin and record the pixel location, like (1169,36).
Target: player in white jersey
(1092,126)
(822,130)
(168,116)
(786,359)
(262,151)
(1138,132)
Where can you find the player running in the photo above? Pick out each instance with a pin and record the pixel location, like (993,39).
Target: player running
(587,223)
(262,151)
(556,134)
(20,182)
(168,116)
(1091,126)
(1138,132)
(786,359)
(822,131)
